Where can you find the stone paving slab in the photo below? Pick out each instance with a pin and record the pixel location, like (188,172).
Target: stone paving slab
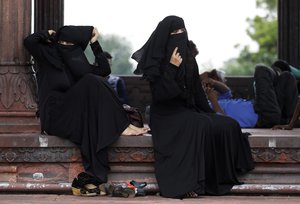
(69,199)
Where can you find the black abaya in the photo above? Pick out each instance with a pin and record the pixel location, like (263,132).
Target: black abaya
(195,149)
(90,117)
(75,102)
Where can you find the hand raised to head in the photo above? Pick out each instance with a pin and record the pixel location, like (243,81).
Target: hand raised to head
(95,35)
(51,36)
(51,32)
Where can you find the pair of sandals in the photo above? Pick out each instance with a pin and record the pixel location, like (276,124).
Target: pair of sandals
(87,185)
(133,189)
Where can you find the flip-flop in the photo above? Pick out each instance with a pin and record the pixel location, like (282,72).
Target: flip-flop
(139,191)
(191,194)
(138,184)
(119,191)
(106,189)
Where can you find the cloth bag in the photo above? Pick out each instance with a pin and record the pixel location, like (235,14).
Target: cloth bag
(134,115)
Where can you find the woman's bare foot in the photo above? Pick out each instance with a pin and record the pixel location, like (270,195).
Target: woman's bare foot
(129,132)
(132,130)
(143,129)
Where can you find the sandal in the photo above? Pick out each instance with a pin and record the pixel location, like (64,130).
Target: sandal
(87,178)
(119,191)
(138,186)
(191,194)
(131,192)
(81,189)
(93,183)
(106,189)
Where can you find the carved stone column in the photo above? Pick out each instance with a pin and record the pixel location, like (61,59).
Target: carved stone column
(49,14)
(17,104)
(289,31)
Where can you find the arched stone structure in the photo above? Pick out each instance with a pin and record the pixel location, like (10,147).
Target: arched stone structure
(38,163)
(17,104)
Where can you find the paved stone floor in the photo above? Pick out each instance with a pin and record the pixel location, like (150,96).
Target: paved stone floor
(69,199)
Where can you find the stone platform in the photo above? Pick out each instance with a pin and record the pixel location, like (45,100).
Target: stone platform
(37,163)
(152,199)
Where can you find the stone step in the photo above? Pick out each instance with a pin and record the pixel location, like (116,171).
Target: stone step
(35,162)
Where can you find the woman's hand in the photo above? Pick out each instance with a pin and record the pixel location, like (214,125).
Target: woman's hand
(51,32)
(176,58)
(51,36)
(95,35)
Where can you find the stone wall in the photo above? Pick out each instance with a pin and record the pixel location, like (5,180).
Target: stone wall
(139,94)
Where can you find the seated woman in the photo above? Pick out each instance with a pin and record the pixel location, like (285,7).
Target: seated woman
(196,151)
(74,101)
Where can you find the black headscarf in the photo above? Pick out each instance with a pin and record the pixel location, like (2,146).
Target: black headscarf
(78,35)
(73,55)
(50,53)
(159,47)
(154,57)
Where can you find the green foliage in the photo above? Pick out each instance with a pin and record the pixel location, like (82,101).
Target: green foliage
(120,49)
(263,31)
(269,5)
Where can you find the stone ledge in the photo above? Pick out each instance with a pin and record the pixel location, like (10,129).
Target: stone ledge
(258,138)
(43,163)
(38,140)
(263,189)
(65,188)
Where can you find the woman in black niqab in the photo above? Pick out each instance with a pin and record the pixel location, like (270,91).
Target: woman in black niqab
(75,101)
(196,151)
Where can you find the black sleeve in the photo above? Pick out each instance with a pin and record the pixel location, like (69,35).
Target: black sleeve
(79,65)
(34,42)
(102,68)
(166,87)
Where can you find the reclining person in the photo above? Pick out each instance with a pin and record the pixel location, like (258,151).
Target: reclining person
(276,96)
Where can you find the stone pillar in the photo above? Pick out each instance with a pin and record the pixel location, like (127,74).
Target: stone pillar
(49,14)
(17,102)
(289,31)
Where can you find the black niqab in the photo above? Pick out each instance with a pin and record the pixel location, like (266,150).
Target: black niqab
(73,55)
(51,54)
(160,46)
(78,35)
